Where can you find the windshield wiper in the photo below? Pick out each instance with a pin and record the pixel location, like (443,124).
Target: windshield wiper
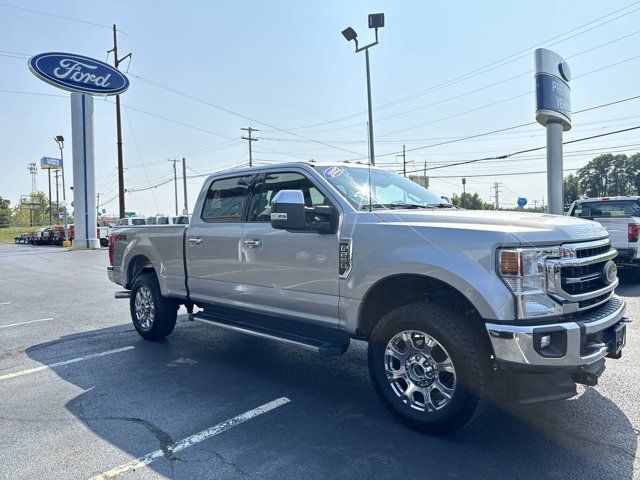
(440,205)
(394,205)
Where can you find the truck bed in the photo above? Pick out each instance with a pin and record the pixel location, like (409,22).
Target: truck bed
(158,246)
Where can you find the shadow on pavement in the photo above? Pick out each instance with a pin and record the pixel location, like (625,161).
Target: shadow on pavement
(334,427)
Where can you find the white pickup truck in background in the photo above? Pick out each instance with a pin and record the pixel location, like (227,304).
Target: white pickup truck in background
(621,217)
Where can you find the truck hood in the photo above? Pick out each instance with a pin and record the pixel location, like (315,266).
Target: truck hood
(526,228)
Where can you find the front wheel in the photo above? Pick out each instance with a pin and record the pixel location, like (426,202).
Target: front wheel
(429,367)
(154,316)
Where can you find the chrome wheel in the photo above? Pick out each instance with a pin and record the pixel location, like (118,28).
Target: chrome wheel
(144,308)
(420,371)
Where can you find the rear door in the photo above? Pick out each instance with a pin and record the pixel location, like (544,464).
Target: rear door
(290,273)
(213,241)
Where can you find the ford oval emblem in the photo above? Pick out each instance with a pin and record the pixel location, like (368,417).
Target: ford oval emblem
(77,73)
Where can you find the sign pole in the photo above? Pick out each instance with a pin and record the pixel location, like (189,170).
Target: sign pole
(554,168)
(84,185)
(553,111)
(50,212)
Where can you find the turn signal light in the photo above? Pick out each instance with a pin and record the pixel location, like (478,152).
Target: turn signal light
(112,246)
(510,263)
(633,232)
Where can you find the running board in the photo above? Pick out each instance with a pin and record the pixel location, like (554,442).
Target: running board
(122,294)
(324,341)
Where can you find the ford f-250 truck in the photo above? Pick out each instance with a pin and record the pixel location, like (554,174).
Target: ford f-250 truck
(457,306)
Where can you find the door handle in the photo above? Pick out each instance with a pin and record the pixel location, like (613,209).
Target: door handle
(195,241)
(253,243)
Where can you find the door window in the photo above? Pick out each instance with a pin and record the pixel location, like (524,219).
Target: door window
(225,200)
(260,210)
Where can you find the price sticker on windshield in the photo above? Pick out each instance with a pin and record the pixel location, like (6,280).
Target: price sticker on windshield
(333,172)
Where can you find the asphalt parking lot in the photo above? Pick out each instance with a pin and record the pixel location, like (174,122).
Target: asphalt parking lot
(82,395)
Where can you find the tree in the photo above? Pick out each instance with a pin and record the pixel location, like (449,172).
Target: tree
(471,202)
(5,212)
(33,210)
(571,189)
(606,174)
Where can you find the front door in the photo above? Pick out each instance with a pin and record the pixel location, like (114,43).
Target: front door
(289,273)
(213,242)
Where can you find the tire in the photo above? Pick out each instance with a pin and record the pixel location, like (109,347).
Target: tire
(427,369)
(155,316)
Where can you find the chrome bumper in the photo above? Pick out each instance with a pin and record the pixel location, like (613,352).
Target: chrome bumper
(110,274)
(515,343)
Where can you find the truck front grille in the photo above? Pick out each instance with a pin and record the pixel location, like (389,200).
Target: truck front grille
(583,279)
(578,276)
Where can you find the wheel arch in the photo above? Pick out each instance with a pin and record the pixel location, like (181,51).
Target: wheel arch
(402,289)
(138,264)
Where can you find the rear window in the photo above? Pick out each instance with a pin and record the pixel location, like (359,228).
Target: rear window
(609,208)
(138,221)
(225,200)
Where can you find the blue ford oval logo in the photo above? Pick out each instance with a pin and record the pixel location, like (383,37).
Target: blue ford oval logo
(77,73)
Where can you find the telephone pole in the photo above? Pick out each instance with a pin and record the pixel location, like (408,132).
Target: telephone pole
(116,63)
(250,139)
(184,186)
(404,161)
(496,187)
(175,182)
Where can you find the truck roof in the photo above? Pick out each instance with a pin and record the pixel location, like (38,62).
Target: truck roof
(292,164)
(605,199)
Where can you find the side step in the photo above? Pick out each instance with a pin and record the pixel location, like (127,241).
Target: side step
(316,339)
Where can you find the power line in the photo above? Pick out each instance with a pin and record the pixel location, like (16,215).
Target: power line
(62,17)
(493,65)
(240,115)
(508,155)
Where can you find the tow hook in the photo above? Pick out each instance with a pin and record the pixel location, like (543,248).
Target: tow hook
(586,378)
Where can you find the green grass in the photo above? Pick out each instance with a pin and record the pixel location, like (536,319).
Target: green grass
(7,234)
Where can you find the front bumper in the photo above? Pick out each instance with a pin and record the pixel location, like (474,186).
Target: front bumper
(580,336)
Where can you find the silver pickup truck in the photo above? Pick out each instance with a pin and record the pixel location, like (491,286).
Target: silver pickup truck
(458,307)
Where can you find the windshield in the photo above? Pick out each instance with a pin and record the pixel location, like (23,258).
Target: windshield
(611,208)
(388,189)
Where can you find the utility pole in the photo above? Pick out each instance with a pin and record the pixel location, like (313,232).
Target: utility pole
(184,186)
(425,170)
(175,182)
(250,139)
(404,161)
(116,63)
(496,187)
(464,191)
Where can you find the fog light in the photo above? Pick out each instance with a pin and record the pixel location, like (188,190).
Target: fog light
(545,341)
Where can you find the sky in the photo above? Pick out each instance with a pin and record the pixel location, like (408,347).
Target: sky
(202,70)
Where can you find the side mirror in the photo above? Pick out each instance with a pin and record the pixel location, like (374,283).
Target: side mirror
(287,210)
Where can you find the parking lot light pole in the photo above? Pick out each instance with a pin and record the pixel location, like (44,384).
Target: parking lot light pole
(59,139)
(376,20)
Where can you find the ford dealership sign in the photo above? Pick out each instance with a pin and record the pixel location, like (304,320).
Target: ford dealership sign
(77,73)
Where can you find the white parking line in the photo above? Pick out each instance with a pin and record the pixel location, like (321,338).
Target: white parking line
(66,362)
(5,303)
(192,440)
(24,323)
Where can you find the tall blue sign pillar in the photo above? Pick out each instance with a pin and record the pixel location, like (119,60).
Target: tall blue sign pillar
(553,110)
(84,77)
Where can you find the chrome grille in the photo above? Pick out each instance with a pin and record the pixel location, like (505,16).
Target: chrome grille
(577,278)
(592,251)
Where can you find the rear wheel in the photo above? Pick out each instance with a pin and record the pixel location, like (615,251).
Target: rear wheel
(154,316)
(429,366)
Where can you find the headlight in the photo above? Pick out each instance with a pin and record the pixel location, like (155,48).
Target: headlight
(522,270)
